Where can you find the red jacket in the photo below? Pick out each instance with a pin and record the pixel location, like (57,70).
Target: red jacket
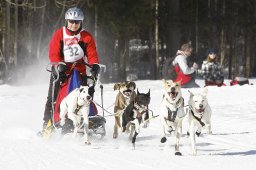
(181,77)
(56,53)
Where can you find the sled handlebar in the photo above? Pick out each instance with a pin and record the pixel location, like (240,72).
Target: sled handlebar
(74,64)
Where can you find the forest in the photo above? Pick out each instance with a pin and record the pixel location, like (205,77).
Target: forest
(135,38)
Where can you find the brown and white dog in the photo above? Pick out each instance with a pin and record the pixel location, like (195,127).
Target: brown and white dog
(125,96)
(199,116)
(75,106)
(172,112)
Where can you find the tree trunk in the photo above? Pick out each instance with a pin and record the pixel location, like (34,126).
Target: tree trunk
(96,24)
(157,71)
(40,34)
(247,66)
(222,37)
(7,34)
(196,27)
(123,52)
(16,31)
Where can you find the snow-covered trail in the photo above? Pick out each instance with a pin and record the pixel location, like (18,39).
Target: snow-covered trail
(232,144)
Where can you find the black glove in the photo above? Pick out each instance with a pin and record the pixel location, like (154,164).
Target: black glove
(95,71)
(61,70)
(91,91)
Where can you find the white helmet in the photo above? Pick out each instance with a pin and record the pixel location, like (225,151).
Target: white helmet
(74,14)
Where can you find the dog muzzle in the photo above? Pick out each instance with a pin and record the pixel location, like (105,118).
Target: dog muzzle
(173,94)
(87,100)
(200,110)
(127,92)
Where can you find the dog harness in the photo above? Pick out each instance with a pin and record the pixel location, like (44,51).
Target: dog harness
(78,107)
(197,118)
(139,111)
(173,114)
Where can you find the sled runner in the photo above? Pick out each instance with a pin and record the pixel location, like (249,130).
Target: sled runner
(75,80)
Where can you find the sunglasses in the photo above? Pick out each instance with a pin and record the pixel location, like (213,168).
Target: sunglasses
(74,21)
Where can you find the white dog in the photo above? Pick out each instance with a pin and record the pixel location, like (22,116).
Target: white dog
(199,116)
(76,106)
(172,112)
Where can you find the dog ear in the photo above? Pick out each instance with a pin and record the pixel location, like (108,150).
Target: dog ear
(138,93)
(205,91)
(179,82)
(117,86)
(165,83)
(148,94)
(191,94)
(132,84)
(81,89)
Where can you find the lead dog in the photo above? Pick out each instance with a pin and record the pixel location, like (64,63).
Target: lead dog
(199,116)
(75,106)
(125,96)
(172,112)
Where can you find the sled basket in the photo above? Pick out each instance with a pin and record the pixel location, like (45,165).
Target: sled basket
(96,121)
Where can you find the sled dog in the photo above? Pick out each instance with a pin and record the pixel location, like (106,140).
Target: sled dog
(135,114)
(199,116)
(172,112)
(75,106)
(124,97)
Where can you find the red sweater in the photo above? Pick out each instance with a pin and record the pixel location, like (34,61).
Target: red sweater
(56,53)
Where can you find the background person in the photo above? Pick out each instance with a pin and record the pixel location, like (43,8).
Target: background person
(211,70)
(185,74)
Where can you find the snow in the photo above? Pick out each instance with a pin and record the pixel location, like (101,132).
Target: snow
(231,146)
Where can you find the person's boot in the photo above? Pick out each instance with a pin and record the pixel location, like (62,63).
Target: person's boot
(47,129)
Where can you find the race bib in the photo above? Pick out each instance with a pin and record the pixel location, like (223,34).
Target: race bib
(72,50)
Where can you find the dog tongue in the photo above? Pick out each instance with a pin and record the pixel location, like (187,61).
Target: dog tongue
(172,95)
(200,110)
(127,93)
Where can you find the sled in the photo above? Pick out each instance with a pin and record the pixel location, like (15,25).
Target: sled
(239,81)
(96,121)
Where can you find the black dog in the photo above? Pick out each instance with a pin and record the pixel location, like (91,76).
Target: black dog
(136,113)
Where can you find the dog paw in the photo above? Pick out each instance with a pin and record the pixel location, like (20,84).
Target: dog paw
(115,135)
(124,129)
(145,125)
(163,140)
(178,154)
(62,122)
(209,132)
(188,133)
(194,153)
(198,134)
(87,143)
